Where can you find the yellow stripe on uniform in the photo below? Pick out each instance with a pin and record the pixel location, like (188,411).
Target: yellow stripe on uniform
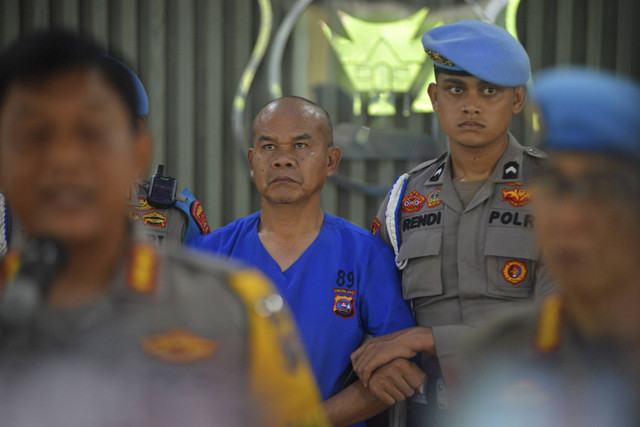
(142,268)
(549,332)
(281,377)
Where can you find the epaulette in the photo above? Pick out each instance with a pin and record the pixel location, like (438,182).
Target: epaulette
(422,166)
(535,152)
(197,220)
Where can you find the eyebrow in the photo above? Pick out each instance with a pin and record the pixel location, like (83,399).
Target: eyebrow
(301,137)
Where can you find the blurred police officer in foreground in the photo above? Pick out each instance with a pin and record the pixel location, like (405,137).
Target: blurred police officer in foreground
(167,218)
(96,327)
(575,360)
(461,224)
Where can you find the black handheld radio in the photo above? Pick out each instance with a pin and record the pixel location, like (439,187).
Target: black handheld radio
(162,189)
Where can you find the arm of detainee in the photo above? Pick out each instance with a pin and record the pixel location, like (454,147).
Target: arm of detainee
(281,378)
(353,404)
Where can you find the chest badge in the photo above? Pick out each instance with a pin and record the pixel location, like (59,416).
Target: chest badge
(179,346)
(154,219)
(143,205)
(413,202)
(433,198)
(343,306)
(516,196)
(514,271)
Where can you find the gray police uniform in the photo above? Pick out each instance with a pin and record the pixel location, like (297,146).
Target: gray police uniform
(170,344)
(532,367)
(460,265)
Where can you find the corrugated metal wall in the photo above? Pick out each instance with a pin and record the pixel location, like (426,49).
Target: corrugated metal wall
(191,54)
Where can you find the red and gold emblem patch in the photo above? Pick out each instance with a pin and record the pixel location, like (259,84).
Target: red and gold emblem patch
(154,219)
(413,202)
(433,198)
(142,205)
(343,306)
(179,346)
(375,228)
(514,271)
(516,196)
(197,212)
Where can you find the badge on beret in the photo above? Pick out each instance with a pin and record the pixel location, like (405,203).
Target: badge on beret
(514,271)
(511,170)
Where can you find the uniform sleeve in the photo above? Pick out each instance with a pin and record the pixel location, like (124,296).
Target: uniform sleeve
(384,310)
(280,373)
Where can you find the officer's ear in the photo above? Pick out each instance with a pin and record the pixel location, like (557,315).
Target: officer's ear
(432,90)
(520,97)
(143,146)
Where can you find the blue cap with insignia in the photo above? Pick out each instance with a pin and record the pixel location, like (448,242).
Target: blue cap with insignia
(589,110)
(142,102)
(483,50)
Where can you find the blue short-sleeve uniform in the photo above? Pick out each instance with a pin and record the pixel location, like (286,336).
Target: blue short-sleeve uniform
(345,285)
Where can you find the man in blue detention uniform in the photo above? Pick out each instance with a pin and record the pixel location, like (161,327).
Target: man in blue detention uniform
(461,225)
(575,359)
(340,281)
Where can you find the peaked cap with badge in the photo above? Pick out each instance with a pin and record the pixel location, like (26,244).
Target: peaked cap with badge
(483,50)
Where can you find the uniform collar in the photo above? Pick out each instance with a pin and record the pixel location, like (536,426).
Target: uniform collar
(508,169)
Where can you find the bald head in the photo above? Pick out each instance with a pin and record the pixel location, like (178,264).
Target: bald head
(295,107)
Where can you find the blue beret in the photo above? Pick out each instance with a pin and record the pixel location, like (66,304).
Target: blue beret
(142,102)
(589,110)
(483,50)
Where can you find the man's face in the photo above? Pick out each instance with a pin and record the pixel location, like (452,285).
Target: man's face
(472,112)
(290,159)
(68,153)
(588,223)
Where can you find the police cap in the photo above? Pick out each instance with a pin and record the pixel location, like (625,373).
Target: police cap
(142,102)
(483,50)
(589,110)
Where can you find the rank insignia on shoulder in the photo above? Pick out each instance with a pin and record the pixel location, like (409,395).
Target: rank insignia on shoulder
(413,202)
(433,198)
(517,196)
(179,346)
(197,212)
(154,219)
(514,271)
(375,228)
(511,170)
(343,306)
(437,173)
(142,269)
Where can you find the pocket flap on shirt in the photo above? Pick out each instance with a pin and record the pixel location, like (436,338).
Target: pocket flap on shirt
(511,242)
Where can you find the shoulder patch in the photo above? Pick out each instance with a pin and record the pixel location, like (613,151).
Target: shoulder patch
(197,213)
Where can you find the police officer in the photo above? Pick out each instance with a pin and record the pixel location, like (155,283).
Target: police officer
(461,225)
(98,327)
(167,218)
(575,359)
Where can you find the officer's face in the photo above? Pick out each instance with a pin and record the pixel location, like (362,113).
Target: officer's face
(68,153)
(587,220)
(291,159)
(472,112)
